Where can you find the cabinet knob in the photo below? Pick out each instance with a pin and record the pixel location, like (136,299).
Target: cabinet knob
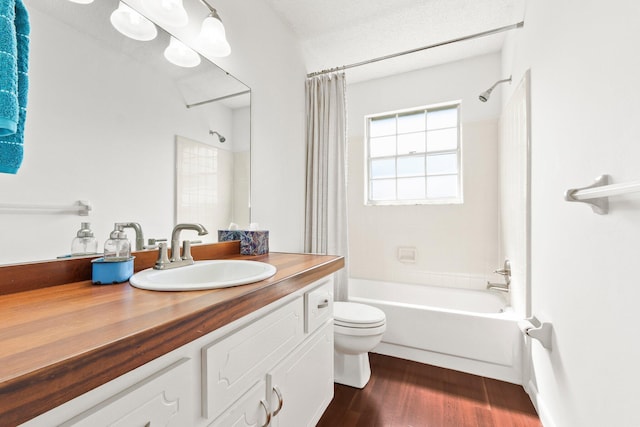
(276,389)
(267,413)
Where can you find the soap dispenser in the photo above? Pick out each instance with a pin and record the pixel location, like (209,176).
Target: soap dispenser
(84,243)
(117,248)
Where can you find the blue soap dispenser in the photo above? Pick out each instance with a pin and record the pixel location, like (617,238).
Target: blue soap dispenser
(117,264)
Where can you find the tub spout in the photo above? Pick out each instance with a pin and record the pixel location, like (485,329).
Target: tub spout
(497,287)
(504,272)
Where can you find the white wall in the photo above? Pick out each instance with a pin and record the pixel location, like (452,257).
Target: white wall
(456,244)
(267,58)
(584,63)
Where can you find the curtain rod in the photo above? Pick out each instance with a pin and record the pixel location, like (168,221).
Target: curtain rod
(406,52)
(208,101)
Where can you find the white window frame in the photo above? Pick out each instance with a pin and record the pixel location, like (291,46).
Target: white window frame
(426,200)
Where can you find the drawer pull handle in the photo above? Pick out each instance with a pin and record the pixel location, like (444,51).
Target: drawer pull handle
(267,412)
(280,400)
(324,304)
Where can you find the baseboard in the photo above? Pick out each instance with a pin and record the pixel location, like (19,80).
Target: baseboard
(538,403)
(509,374)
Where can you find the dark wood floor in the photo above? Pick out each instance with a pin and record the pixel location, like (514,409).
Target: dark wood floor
(410,394)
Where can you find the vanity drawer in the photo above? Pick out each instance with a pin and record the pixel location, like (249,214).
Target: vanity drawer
(164,399)
(235,363)
(318,305)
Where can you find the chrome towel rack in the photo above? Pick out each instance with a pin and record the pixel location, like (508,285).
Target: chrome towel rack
(81,208)
(597,194)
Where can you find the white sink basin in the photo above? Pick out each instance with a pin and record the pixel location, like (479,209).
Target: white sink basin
(203,275)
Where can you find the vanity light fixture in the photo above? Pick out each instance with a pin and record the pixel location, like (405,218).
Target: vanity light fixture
(212,39)
(167,12)
(180,54)
(133,25)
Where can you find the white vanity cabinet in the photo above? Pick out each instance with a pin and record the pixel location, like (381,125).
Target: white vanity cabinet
(271,367)
(276,371)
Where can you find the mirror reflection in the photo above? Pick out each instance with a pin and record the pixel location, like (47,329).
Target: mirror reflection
(106,120)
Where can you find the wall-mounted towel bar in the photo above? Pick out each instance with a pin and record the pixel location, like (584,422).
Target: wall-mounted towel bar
(81,207)
(537,330)
(597,194)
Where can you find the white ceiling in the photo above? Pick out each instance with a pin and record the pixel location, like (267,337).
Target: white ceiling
(334,33)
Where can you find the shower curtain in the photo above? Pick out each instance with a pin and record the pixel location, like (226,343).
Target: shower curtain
(326,186)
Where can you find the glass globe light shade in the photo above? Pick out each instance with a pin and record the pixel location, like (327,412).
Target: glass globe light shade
(167,12)
(180,54)
(132,24)
(212,39)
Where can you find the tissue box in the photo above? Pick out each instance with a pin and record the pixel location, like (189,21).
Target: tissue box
(106,273)
(254,242)
(226,235)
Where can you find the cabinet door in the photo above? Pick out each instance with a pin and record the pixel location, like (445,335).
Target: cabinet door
(163,399)
(251,410)
(233,364)
(301,387)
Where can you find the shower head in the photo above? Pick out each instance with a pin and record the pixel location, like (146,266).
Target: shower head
(220,137)
(484,96)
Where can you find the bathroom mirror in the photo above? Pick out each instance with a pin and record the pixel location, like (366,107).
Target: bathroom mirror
(104,118)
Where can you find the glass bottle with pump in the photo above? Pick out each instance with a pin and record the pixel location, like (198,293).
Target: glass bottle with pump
(84,243)
(117,248)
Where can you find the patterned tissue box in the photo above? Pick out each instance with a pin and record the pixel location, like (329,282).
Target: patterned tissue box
(226,235)
(254,242)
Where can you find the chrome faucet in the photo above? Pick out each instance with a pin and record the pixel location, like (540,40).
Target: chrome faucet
(139,236)
(506,273)
(176,260)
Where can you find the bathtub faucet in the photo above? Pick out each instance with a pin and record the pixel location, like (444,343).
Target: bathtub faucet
(506,273)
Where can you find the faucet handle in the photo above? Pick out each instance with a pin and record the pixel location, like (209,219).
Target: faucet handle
(153,241)
(163,256)
(505,270)
(186,250)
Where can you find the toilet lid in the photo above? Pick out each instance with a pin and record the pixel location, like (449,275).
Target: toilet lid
(357,315)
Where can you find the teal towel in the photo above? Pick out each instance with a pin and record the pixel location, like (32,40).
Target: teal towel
(14,82)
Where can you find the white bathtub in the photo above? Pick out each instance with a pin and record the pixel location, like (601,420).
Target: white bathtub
(467,330)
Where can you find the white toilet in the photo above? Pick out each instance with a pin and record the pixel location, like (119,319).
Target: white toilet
(358,328)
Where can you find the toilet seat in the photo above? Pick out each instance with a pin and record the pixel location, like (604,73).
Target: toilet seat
(355,315)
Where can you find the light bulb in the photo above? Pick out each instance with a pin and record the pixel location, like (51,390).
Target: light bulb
(132,24)
(167,12)
(81,1)
(212,39)
(180,54)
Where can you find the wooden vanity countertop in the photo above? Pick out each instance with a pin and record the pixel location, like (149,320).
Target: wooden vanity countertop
(60,341)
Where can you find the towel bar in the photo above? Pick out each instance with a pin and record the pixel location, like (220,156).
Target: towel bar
(597,194)
(81,208)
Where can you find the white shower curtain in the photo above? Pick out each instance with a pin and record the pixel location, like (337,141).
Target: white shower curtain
(326,191)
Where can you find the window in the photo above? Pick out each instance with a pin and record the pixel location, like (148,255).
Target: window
(413,156)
